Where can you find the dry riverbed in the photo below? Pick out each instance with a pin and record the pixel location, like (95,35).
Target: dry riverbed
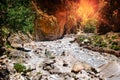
(61,59)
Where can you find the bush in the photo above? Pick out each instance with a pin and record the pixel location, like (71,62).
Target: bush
(81,39)
(109,41)
(17,15)
(101,44)
(115,47)
(4,32)
(19,67)
(20,18)
(90,26)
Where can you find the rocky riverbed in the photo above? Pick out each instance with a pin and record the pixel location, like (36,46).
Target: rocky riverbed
(61,59)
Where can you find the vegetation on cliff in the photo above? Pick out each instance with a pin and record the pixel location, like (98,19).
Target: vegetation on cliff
(15,15)
(52,19)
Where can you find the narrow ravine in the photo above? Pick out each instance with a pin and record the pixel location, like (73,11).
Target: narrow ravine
(57,47)
(49,52)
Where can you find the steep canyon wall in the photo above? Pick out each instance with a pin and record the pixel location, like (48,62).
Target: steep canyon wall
(55,18)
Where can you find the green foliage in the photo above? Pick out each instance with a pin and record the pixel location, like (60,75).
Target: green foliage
(114,37)
(20,17)
(17,15)
(8,45)
(98,41)
(38,73)
(100,44)
(90,26)
(19,67)
(3,9)
(110,40)
(4,31)
(106,41)
(115,47)
(81,38)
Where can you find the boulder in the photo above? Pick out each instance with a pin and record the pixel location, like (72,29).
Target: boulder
(77,67)
(17,40)
(47,28)
(4,71)
(110,70)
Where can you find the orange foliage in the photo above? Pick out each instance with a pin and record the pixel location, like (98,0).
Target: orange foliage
(87,9)
(80,11)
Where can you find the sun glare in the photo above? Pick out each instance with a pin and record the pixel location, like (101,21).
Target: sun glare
(87,9)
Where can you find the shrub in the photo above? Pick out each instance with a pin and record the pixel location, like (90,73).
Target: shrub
(4,32)
(115,47)
(17,15)
(81,38)
(100,44)
(90,26)
(19,67)
(20,18)
(99,41)
(89,29)
(107,41)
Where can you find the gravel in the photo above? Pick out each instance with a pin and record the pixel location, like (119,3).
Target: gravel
(39,52)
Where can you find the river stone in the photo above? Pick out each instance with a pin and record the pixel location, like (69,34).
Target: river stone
(17,40)
(4,71)
(110,70)
(77,67)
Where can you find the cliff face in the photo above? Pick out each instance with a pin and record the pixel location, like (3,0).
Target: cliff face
(46,28)
(109,16)
(67,15)
(53,18)
(58,17)
(48,24)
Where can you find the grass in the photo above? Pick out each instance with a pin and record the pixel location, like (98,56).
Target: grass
(109,40)
(90,26)
(39,72)
(89,29)
(19,67)
(115,47)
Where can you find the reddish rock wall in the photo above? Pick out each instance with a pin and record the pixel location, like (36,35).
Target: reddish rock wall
(109,16)
(58,17)
(51,19)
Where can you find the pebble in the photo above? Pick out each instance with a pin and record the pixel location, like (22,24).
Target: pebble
(57,47)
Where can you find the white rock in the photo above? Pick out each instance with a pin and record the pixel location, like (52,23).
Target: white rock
(110,69)
(77,67)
